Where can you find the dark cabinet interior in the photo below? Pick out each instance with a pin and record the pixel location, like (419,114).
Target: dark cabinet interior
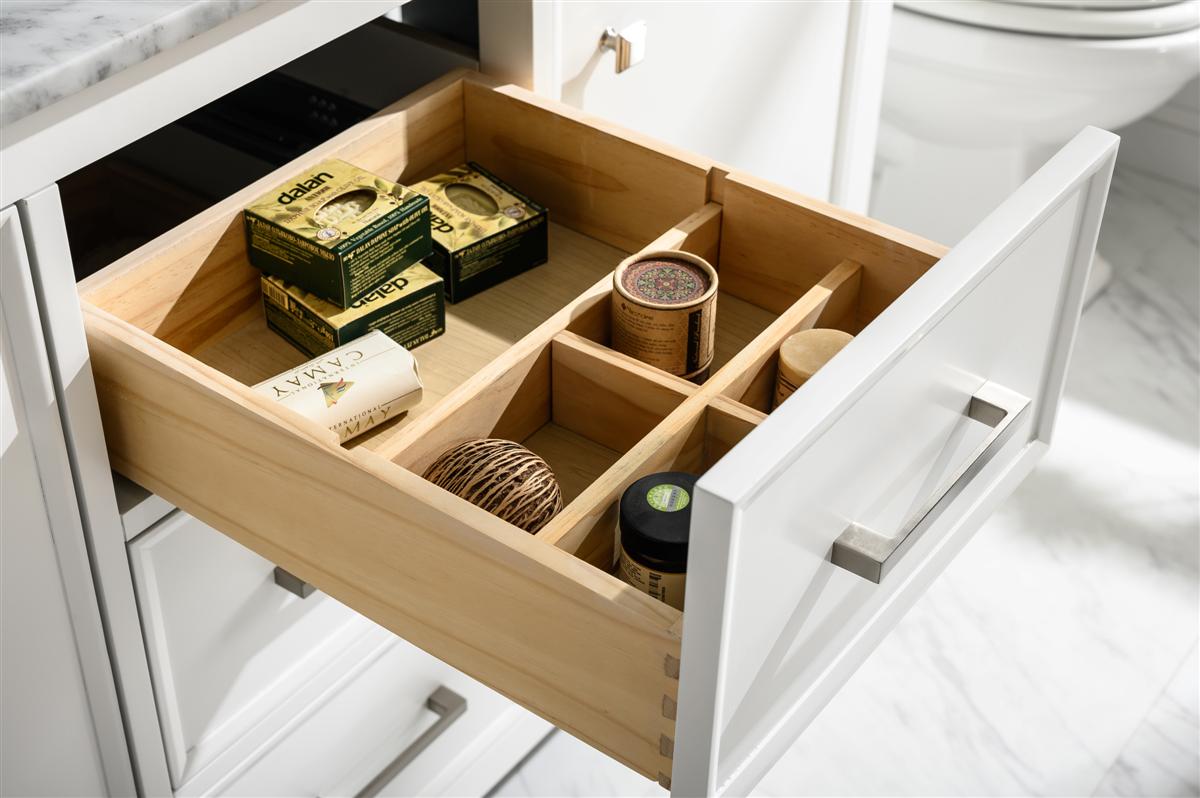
(132,196)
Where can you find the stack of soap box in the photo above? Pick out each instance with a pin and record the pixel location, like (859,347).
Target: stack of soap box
(340,251)
(409,308)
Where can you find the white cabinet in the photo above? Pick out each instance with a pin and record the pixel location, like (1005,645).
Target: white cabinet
(265,691)
(60,731)
(41,684)
(399,724)
(889,459)
(75,391)
(814,527)
(227,645)
(786,91)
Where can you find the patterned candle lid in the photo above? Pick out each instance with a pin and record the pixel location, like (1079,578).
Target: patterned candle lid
(665,281)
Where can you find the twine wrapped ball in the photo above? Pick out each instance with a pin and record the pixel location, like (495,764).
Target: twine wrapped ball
(502,477)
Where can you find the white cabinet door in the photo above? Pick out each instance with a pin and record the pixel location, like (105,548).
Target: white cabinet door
(786,91)
(883,465)
(262,692)
(61,325)
(55,686)
(227,645)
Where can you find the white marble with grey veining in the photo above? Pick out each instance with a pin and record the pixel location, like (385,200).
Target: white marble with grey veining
(1163,755)
(1057,654)
(50,49)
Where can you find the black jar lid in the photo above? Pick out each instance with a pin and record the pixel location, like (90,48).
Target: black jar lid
(656,516)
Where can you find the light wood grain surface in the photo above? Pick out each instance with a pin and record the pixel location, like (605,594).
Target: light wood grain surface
(610,183)
(777,243)
(577,460)
(478,330)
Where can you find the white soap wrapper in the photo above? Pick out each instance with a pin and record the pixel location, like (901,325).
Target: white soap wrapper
(352,388)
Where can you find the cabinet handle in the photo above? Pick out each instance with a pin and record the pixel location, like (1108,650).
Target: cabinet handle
(292,583)
(449,706)
(629,44)
(871,555)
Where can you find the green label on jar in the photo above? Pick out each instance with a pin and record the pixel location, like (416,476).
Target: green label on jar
(668,498)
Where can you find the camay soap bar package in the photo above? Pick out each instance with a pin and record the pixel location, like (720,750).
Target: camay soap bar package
(353,388)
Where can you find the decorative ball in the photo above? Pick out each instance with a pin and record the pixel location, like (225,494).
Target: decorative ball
(502,477)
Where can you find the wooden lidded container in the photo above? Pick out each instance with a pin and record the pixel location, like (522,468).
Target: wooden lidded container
(802,354)
(664,308)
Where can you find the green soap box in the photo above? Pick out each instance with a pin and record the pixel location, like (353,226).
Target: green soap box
(484,230)
(410,309)
(338,231)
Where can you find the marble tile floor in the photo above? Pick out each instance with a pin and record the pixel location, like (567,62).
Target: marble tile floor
(1058,654)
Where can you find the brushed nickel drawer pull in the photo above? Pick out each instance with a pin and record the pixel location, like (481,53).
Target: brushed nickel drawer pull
(865,552)
(629,44)
(449,706)
(292,583)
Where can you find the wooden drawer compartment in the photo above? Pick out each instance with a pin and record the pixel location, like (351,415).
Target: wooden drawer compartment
(175,334)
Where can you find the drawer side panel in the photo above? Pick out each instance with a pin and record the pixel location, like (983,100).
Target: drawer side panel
(597,178)
(554,634)
(776,244)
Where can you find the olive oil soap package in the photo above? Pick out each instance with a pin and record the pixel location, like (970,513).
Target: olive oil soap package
(410,308)
(337,231)
(484,230)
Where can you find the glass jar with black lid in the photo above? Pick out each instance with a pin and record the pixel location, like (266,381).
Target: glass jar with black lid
(654,522)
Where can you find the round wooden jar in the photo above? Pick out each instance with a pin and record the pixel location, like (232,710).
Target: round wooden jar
(502,477)
(664,309)
(802,354)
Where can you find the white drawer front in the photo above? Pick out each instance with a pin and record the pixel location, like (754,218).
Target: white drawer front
(227,646)
(772,626)
(340,744)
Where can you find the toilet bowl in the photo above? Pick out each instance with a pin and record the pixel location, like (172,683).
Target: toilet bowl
(980,93)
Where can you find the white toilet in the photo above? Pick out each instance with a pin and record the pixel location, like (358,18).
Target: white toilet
(979,93)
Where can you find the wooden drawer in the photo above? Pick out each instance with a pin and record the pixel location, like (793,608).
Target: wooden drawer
(887,437)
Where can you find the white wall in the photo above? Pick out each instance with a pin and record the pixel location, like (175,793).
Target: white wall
(756,86)
(1167,143)
(786,91)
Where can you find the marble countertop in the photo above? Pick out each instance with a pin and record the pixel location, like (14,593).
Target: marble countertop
(50,49)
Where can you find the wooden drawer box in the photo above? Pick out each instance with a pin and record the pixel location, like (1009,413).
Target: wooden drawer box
(887,433)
